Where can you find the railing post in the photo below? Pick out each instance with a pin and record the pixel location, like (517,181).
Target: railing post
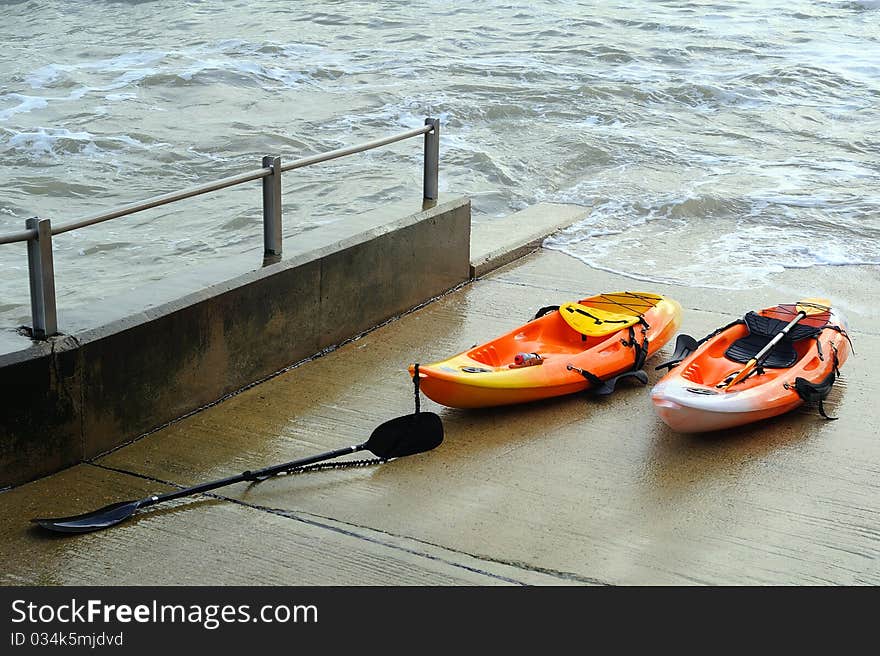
(41,272)
(272,207)
(432,159)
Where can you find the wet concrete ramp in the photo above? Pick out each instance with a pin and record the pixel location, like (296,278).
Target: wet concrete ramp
(576,490)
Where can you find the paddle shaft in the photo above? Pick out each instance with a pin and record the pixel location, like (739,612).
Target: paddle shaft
(249,475)
(751,364)
(782,333)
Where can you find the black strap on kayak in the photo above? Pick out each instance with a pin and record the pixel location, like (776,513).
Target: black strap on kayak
(598,321)
(547,309)
(591,377)
(640,350)
(836,360)
(833,347)
(842,332)
(636,347)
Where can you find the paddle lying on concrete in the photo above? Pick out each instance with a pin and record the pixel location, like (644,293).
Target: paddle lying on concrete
(402,436)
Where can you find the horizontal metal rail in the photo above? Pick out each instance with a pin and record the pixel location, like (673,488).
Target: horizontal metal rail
(231,181)
(39,232)
(342,152)
(21,235)
(158,201)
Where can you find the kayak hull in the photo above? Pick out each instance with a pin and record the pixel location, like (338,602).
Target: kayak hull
(454,394)
(688,398)
(482,377)
(687,419)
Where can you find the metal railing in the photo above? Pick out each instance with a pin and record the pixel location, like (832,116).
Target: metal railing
(39,231)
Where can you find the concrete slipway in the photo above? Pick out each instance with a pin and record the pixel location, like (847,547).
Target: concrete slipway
(571,491)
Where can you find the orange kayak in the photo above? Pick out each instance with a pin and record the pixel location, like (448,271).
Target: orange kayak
(579,345)
(702,392)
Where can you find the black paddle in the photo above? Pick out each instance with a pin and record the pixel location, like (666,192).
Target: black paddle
(402,436)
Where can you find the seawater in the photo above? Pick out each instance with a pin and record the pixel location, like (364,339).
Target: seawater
(716,143)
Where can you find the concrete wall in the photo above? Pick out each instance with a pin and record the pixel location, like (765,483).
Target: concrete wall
(79,395)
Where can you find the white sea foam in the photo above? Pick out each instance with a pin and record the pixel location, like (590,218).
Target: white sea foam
(25,104)
(58,142)
(51,73)
(44,76)
(118,97)
(44,141)
(287,78)
(47,77)
(618,236)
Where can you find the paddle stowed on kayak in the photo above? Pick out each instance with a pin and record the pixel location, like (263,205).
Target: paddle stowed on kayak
(592,343)
(760,366)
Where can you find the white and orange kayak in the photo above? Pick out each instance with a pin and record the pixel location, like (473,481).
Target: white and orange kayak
(579,345)
(746,372)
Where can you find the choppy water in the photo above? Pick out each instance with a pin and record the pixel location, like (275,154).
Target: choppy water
(696,130)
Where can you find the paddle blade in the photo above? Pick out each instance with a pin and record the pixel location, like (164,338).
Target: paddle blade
(93,521)
(813,305)
(743,373)
(407,435)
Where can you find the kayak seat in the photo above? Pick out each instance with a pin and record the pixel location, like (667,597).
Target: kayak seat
(763,329)
(594,322)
